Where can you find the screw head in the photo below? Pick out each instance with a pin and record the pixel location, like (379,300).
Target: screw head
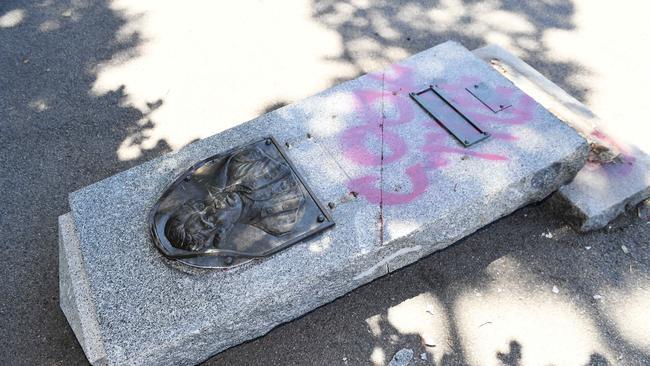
(268,141)
(331,205)
(320,218)
(228,260)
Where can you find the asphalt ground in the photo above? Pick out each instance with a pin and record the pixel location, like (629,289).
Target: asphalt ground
(524,290)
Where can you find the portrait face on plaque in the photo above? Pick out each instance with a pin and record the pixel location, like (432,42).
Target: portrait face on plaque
(230,208)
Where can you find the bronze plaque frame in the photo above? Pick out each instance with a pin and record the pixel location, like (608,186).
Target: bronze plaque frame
(254,190)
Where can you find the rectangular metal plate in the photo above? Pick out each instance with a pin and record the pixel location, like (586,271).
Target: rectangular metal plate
(488,97)
(448,115)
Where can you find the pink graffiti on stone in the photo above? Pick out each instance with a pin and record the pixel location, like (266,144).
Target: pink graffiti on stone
(397,82)
(480,113)
(436,151)
(620,168)
(367,186)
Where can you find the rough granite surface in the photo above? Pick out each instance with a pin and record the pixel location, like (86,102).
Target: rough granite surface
(602,190)
(402,188)
(75,298)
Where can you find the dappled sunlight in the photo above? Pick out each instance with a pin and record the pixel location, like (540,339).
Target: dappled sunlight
(618,70)
(12,18)
(215,67)
(100,87)
(39,105)
(374,325)
(629,310)
(378,33)
(515,309)
(378,356)
(339,105)
(49,26)
(321,245)
(425,316)
(398,228)
(497,25)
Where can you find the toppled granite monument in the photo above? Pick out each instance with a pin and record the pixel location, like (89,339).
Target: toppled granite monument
(398,180)
(617,174)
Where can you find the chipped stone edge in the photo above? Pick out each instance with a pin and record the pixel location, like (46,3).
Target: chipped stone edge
(576,115)
(74,294)
(509,199)
(580,221)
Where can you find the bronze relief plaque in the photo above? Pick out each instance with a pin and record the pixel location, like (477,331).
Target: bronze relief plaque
(246,203)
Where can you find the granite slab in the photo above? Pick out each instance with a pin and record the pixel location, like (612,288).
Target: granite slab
(400,187)
(604,188)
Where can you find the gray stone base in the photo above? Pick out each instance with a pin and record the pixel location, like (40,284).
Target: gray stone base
(74,294)
(602,190)
(425,193)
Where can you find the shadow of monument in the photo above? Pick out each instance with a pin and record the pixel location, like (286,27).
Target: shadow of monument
(339,333)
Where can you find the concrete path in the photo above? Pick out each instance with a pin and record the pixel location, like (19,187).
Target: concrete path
(90,89)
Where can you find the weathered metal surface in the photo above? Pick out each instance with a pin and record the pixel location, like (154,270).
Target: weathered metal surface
(246,203)
(442,108)
(486,95)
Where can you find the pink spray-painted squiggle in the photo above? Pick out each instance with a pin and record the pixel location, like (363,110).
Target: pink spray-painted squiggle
(620,168)
(367,186)
(399,80)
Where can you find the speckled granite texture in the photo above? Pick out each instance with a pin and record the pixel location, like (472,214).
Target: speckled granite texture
(402,188)
(602,190)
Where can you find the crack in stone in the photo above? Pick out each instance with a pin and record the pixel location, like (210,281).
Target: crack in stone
(331,155)
(381,165)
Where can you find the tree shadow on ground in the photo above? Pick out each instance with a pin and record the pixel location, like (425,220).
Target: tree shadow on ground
(377,33)
(57,137)
(340,334)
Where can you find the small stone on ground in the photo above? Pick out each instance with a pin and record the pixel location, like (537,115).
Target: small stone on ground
(644,210)
(402,357)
